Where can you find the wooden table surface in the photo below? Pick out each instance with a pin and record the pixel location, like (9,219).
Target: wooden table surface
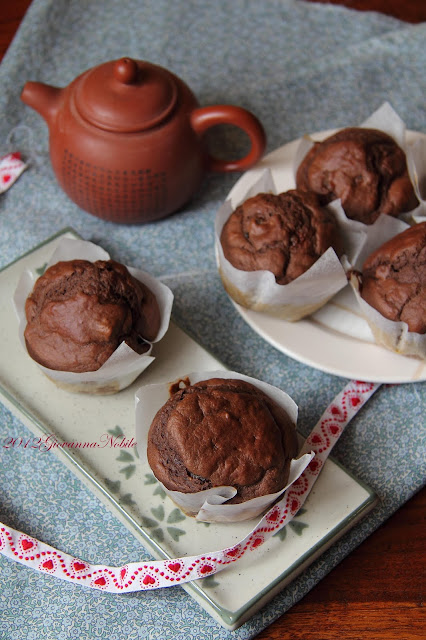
(377,592)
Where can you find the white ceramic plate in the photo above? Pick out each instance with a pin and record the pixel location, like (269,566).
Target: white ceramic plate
(129,489)
(335,339)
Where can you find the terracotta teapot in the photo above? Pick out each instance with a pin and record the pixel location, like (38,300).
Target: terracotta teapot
(126,139)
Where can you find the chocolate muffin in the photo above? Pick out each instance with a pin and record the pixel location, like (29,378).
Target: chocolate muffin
(79,312)
(222,432)
(284,234)
(365,168)
(394,278)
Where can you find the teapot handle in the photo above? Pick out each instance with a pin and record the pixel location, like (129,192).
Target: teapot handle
(205,117)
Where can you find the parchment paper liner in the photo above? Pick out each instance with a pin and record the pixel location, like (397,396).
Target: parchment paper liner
(259,291)
(416,161)
(124,365)
(208,506)
(386,119)
(392,335)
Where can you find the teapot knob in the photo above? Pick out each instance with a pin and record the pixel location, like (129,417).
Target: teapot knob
(126,71)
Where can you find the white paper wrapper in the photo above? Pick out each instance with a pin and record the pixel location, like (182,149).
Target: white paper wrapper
(258,290)
(344,315)
(124,365)
(387,120)
(392,335)
(374,235)
(210,505)
(416,161)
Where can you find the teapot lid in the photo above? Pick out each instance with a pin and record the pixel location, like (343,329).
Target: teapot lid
(125,95)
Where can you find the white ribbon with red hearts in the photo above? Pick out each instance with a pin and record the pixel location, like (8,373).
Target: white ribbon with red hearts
(138,576)
(11,167)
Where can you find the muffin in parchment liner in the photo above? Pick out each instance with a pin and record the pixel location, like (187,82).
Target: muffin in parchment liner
(370,168)
(259,289)
(390,288)
(196,423)
(388,333)
(124,364)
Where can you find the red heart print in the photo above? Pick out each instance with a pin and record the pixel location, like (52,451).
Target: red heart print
(123,572)
(294,505)
(47,564)
(101,582)
(334,429)
(6,178)
(313,465)
(257,542)
(78,566)
(148,579)
(335,411)
(174,566)
(316,439)
(233,552)
(206,568)
(27,544)
(355,401)
(273,517)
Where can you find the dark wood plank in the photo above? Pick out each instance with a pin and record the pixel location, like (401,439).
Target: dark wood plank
(413,11)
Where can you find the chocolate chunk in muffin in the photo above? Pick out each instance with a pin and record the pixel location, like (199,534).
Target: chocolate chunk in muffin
(394,278)
(363,167)
(222,432)
(284,234)
(79,312)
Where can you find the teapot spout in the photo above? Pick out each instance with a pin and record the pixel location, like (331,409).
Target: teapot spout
(44,98)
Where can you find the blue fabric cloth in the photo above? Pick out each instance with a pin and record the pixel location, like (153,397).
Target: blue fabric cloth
(299,68)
